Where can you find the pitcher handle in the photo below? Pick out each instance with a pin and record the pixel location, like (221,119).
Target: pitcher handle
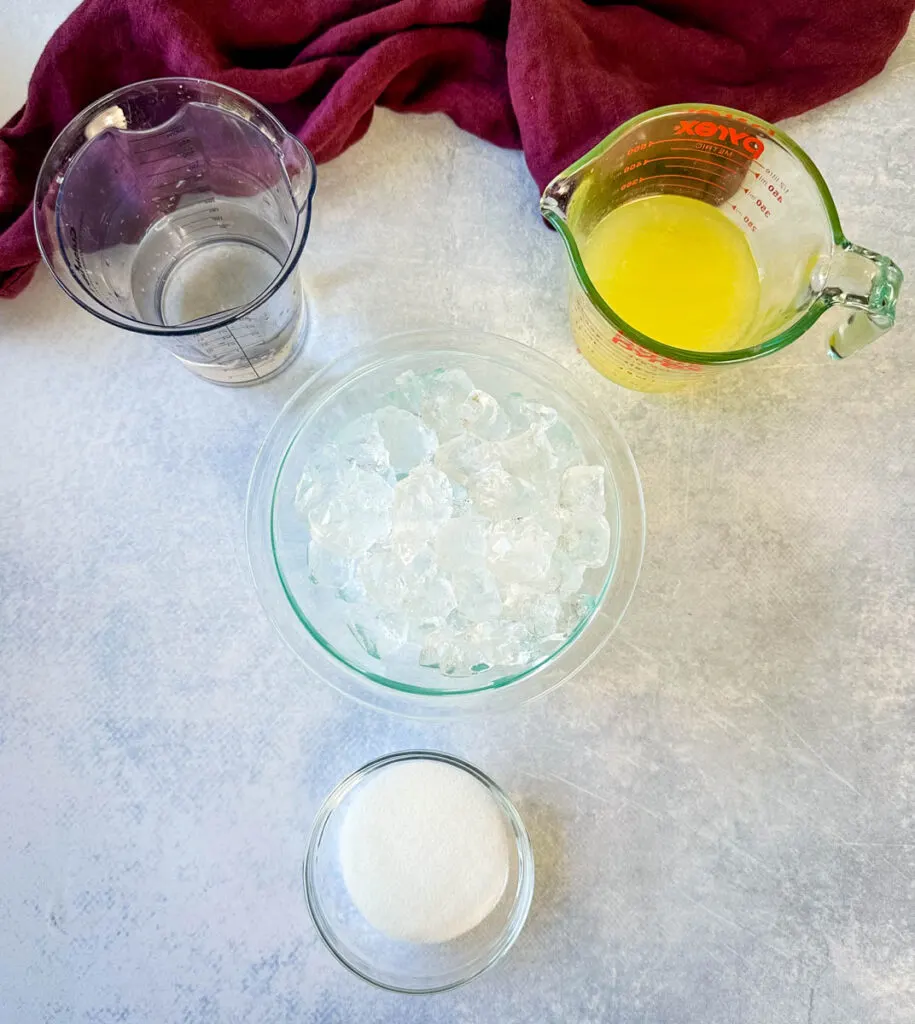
(300,169)
(866,285)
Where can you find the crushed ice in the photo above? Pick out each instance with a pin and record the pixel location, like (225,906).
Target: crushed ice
(458,524)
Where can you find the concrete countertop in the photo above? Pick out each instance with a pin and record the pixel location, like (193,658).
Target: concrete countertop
(722,806)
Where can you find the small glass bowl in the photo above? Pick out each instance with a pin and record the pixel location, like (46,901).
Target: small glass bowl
(407,966)
(308,616)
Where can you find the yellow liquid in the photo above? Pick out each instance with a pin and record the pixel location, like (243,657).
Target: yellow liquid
(677,270)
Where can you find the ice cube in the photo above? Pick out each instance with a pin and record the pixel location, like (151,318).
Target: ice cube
(575,611)
(582,489)
(431,599)
(379,572)
(499,495)
(477,554)
(547,645)
(389,580)
(353,592)
(537,611)
(462,543)
(418,631)
(408,440)
(511,645)
(525,413)
(355,514)
(529,455)
(422,500)
(520,550)
(320,473)
(565,576)
(408,392)
(411,540)
(482,415)
(465,456)
(586,537)
(506,644)
(361,444)
(477,594)
(326,568)
(449,652)
(565,446)
(445,393)
(462,503)
(379,633)
(431,649)
(307,491)
(458,623)
(551,518)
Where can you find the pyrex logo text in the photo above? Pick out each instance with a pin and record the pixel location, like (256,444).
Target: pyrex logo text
(706,129)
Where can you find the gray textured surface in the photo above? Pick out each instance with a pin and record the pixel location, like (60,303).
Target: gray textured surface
(722,808)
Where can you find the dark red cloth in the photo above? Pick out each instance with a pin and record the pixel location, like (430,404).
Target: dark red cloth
(551,76)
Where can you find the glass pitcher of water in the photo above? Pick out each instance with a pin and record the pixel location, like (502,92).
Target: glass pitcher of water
(179,208)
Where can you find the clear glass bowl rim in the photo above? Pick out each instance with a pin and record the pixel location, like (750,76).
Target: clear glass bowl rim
(322,659)
(524,892)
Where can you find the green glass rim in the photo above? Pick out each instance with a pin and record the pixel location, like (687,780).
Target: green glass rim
(814,311)
(408,688)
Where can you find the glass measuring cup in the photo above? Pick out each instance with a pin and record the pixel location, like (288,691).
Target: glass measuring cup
(761,181)
(179,208)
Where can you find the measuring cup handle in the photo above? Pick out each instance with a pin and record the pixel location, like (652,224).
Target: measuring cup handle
(866,286)
(300,167)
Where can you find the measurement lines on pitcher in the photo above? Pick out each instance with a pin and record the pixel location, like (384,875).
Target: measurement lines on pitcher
(173,168)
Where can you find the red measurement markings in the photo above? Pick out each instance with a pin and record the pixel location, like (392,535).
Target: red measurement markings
(652,357)
(670,174)
(671,159)
(697,160)
(687,177)
(678,187)
(680,145)
(678,140)
(776,193)
(641,146)
(759,203)
(698,192)
(771,176)
(717,150)
(746,217)
(779,188)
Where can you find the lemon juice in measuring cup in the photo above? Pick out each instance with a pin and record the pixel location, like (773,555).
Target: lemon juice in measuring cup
(703,237)
(179,208)
(676,269)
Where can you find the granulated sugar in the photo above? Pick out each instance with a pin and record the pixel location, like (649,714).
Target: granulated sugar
(424,851)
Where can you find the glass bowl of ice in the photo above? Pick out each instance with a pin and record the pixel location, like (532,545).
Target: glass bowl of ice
(445,522)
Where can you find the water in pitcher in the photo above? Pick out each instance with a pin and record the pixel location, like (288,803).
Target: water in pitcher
(176,280)
(178,208)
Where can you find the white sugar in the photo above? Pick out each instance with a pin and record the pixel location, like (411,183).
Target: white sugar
(424,851)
